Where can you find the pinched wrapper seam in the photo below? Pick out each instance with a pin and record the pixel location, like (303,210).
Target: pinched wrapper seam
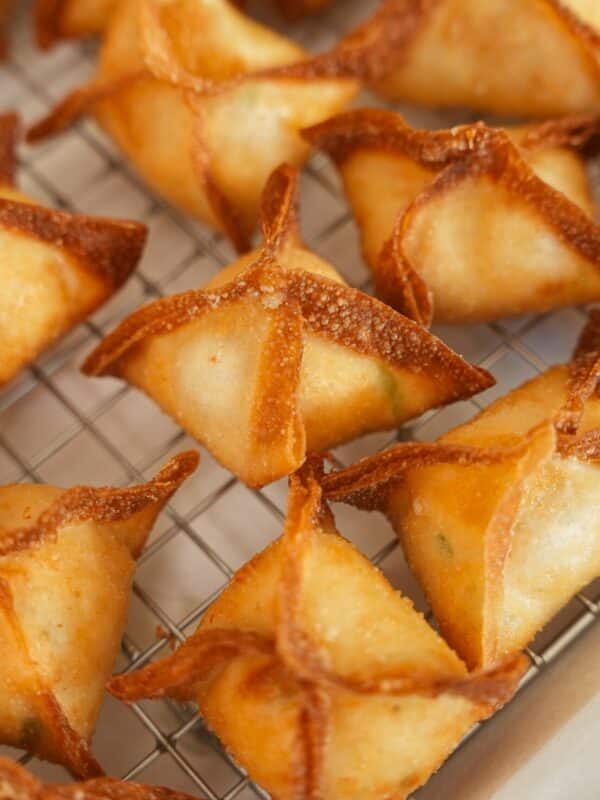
(17,784)
(296,302)
(103,505)
(396,25)
(468,151)
(345,62)
(297,660)
(108,248)
(367,483)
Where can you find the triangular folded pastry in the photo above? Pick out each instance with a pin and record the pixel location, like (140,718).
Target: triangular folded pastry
(55,268)
(60,19)
(17,784)
(206,103)
(528,58)
(499,519)
(67,558)
(473,223)
(320,679)
(277,355)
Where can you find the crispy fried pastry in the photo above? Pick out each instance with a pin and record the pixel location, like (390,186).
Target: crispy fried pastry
(529,58)
(473,223)
(206,103)
(65,19)
(67,558)
(499,518)
(17,784)
(277,355)
(319,678)
(55,268)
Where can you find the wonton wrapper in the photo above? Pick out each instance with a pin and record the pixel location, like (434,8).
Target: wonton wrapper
(67,558)
(277,356)
(55,268)
(529,58)
(318,677)
(60,19)
(499,519)
(473,223)
(206,103)
(17,784)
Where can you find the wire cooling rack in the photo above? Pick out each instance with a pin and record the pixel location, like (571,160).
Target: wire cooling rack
(57,426)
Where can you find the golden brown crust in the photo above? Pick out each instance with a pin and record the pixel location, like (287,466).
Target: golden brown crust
(337,312)
(379,129)
(299,658)
(396,24)
(76,104)
(583,378)
(459,154)
(367,483)
(109,248)
(102,505)
(17,784)
(9,136)
(330,309)
(74,750)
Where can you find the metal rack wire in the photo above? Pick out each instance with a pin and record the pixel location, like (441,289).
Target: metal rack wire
(60,427)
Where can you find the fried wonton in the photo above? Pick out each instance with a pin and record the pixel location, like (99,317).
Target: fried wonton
(17,784)
(320,679)
(528,58)
(206,103)
(474,223)
(67,558)
(499,518)
(55,268)
(277,355)
(60,19)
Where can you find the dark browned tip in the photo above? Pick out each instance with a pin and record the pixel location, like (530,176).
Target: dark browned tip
(10,130)
(111,247)
(340,135)
(278,209)
(47,15)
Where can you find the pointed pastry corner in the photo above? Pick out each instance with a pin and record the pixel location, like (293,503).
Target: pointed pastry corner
(10,129)
(340,135)
(496,686)
(47,13)
(279,208)
(112,248)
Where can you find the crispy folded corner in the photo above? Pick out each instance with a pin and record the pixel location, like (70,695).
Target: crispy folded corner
(320,683)
(68,19)
(477,511)
(80,552)
(18,784)
(237,102)
(10,126)
(57,267)
(321,362)
(421,199)
(445,53)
